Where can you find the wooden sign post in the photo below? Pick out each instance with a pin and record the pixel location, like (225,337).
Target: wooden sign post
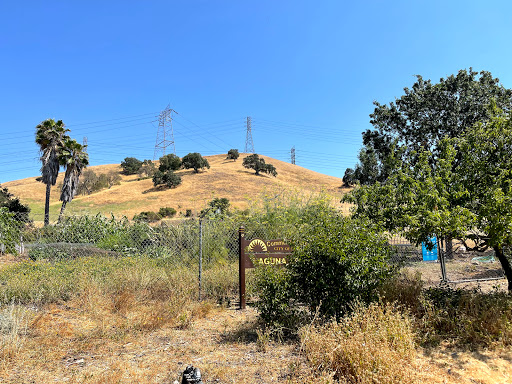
(258,252)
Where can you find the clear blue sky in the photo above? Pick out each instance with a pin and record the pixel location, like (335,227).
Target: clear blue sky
(307,72)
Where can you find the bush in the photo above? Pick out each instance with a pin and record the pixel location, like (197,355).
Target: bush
(167,212)
(10,231)
(339,261)
(131,165)
(148,217)
(188,213)
(275,299)
(13,205)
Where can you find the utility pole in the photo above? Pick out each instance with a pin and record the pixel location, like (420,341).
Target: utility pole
(293,154)
(249,145)
(165,134)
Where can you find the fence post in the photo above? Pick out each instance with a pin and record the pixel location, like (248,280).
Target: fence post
(200,255)
(241,266)
(441,260)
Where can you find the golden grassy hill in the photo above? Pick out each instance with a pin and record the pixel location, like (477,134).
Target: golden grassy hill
(225,178)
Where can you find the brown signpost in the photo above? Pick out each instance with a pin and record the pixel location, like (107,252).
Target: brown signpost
(258,252)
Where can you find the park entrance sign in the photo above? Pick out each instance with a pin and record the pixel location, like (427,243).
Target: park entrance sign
(256,252)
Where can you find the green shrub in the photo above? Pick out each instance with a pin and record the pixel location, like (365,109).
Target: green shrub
(10,230)
(275,303)
(167,212)
(148,217)
(188,213)
(337,262)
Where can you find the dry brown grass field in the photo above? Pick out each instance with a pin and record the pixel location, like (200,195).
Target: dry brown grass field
(225,178)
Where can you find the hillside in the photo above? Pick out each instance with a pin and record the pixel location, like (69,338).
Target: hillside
(225,178)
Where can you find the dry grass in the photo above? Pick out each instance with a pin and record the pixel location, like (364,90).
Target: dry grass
(225,178)
(372,345)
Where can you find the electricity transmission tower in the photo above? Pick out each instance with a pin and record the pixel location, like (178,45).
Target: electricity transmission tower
(292,153)
(165,134)
(249,145)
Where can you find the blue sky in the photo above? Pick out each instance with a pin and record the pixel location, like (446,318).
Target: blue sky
(307,72)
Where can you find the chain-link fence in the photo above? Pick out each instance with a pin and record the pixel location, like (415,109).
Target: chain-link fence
(442,262)
(203,244)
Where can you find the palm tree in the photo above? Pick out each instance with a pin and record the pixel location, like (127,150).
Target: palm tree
(75,159)
(50,136)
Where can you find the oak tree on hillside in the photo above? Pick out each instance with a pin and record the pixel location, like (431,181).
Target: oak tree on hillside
(258,164)
(195,161)
(131,165)
(233,154)
(168,178)
(169,162)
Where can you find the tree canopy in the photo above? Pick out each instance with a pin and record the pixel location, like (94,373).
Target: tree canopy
(168,178)
(258,165)
(465,194)
(233,154)
(424,115)
(169,162)
(13,205)
(195,161)
(131,165)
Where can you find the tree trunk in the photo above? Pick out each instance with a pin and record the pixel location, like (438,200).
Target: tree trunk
(505,264)
(449,247)
(62,208)
(47,205)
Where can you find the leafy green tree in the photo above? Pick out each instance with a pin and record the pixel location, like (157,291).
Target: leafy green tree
(467,194)
(50,136)
(75,159)
(258,165)
(217,206)
(168,178)
(424,115)
(195,161)
(131,165)
(13,205)
(169,162)
(233,154)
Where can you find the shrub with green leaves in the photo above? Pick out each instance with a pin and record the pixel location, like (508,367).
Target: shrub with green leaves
(167,212)
(339,261)
(275,302)
(10,230)
(148,217)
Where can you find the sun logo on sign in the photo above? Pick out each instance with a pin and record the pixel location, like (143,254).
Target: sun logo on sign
(257,245)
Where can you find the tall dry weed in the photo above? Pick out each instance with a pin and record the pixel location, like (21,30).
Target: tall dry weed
(13,328)
(374,344)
